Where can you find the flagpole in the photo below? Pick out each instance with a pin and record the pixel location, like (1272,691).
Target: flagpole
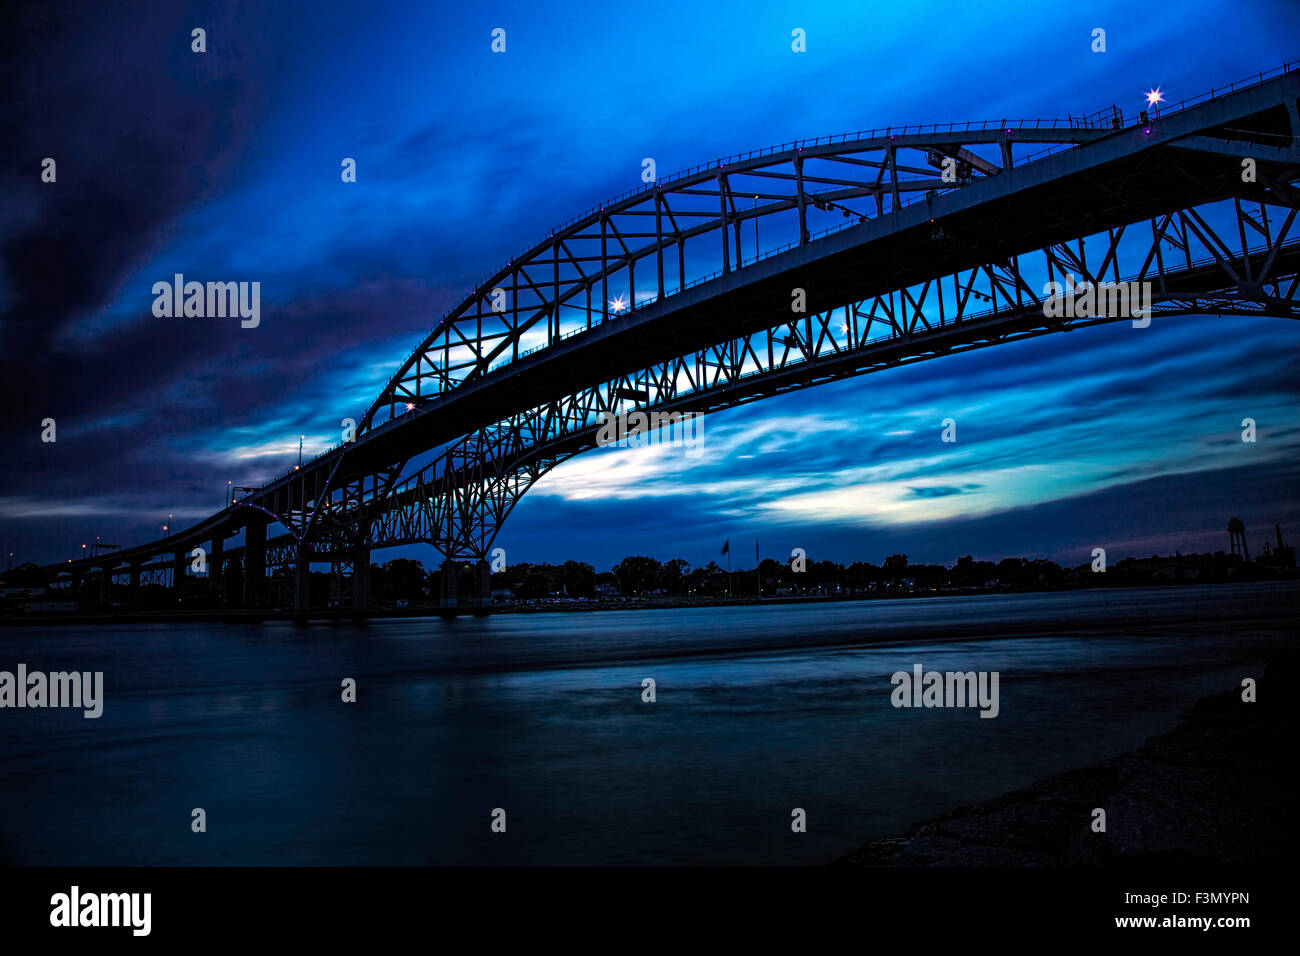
(726,549)
(758,574)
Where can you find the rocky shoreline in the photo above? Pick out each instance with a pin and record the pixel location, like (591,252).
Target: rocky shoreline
(1210,791)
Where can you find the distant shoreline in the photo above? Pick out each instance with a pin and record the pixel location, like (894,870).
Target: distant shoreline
(428,610)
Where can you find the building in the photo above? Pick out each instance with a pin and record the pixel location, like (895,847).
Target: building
(1283,556)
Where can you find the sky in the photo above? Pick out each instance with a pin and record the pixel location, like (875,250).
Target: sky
(227,164)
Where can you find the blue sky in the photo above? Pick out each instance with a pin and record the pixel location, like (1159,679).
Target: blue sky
(227,164)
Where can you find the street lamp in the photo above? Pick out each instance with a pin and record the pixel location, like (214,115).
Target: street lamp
(300,438)
(229,488)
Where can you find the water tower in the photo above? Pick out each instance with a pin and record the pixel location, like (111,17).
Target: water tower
(1237,532)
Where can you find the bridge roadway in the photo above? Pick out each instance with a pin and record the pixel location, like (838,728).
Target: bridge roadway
(1109,179)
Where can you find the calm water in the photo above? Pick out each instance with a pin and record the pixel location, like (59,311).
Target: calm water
(759,710)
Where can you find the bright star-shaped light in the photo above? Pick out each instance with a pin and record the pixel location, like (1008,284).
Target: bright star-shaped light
(617,305)
(410,405)
(1154,97)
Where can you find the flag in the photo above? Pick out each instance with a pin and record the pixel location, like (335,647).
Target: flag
(726,546)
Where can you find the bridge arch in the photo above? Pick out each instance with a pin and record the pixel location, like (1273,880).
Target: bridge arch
(584,272)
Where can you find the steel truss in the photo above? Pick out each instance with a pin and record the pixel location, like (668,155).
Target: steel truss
(459,501)
(563,284)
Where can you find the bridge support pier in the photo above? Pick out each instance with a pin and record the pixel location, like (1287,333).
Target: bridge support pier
(133,589)
(178,571)
(105,585)
(216,576)
(254,562)
(361,578)
(449,585)
(302,579)
(484,577)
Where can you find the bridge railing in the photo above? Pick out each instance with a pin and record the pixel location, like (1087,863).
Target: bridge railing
(1217,92)
(1099,120)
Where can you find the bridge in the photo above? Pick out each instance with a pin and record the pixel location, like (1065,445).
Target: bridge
(780,269)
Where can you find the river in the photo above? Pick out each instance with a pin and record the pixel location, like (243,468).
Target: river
(758,711)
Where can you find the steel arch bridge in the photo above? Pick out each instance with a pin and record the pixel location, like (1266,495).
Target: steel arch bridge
(759,274)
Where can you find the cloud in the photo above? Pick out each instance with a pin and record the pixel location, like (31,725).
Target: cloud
(937,491)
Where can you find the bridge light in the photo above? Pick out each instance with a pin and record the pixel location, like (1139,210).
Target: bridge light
(410,406)
(1154,97)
